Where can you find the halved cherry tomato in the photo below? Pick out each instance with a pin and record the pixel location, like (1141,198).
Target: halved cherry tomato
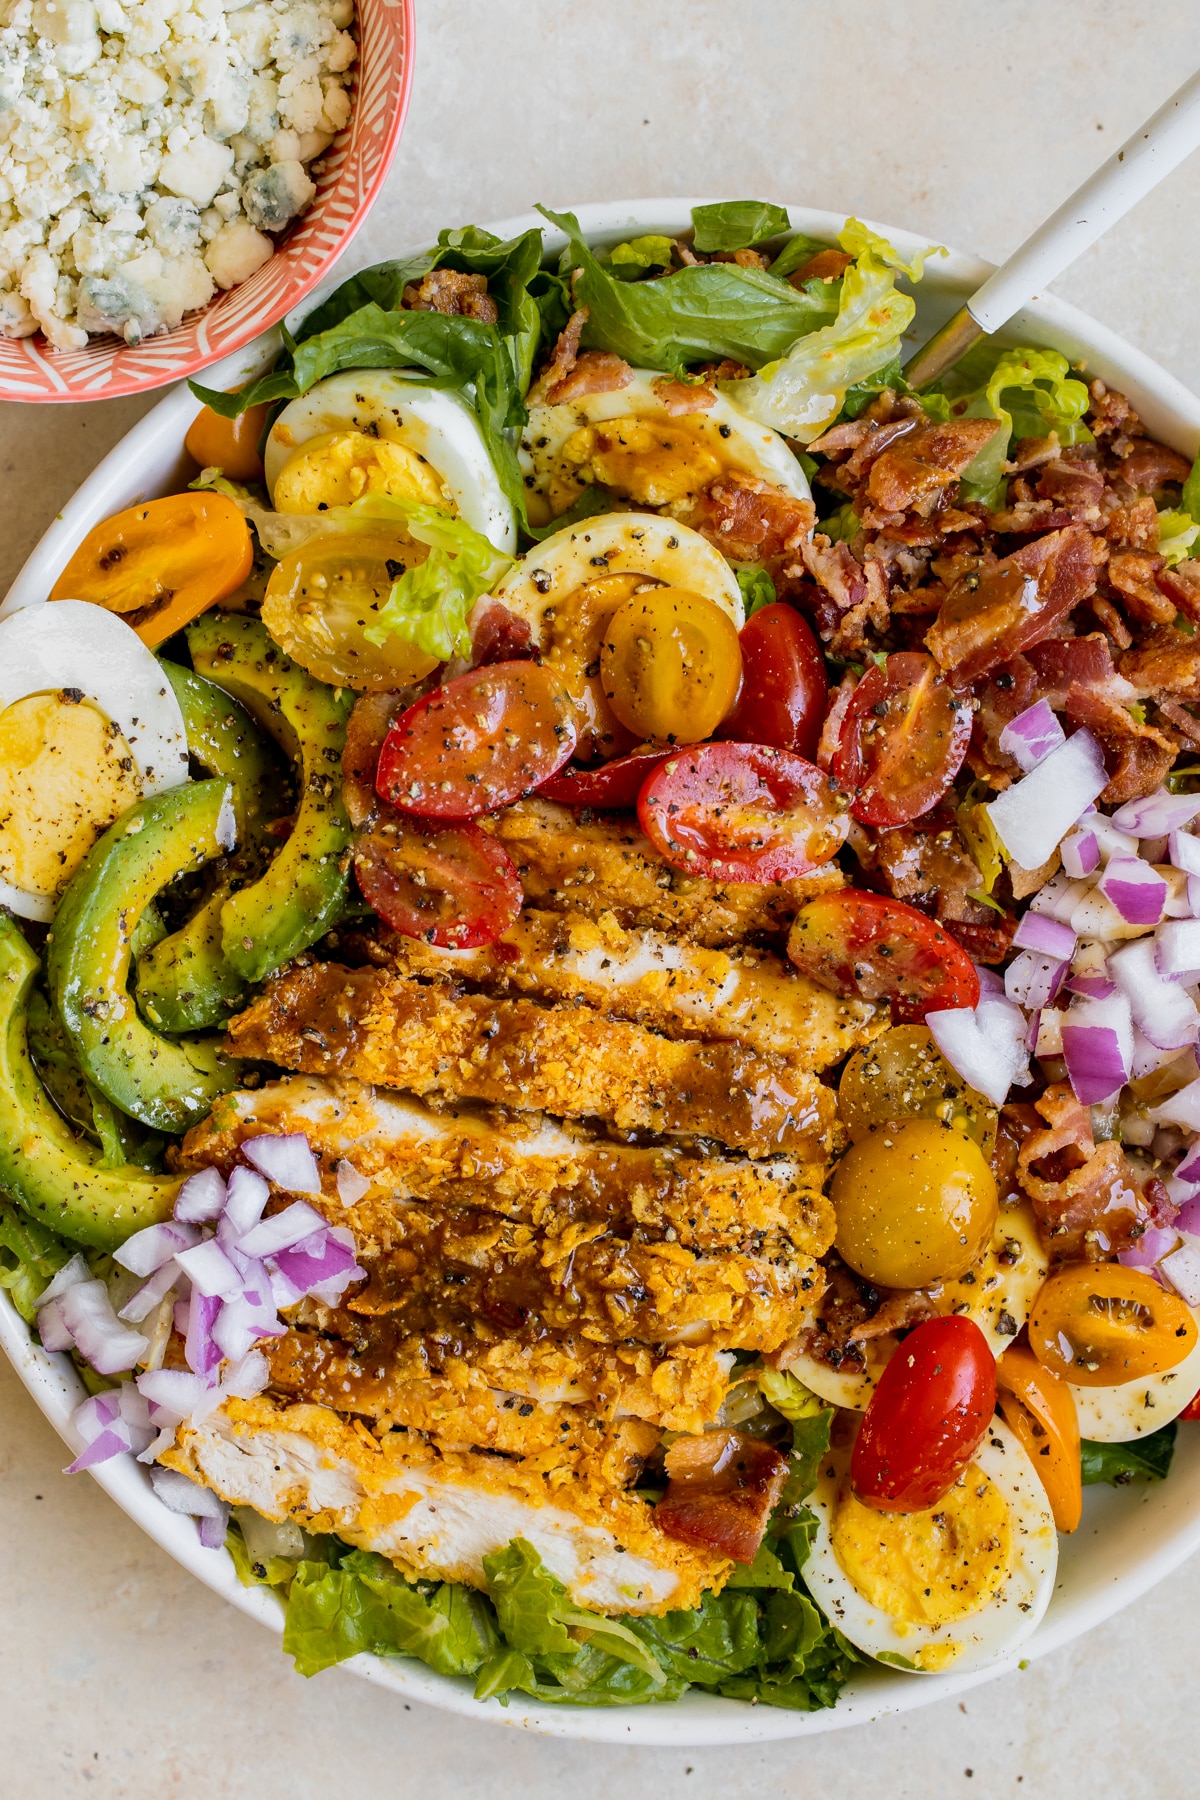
(1100,1325)
(881,949)
(670,664)
(613,785)
(784,684)
(903,740)
(478,742)
(927,1417)
(451,885)
(741,812)
(1040,1411)
(161,564)
(1192,1410)
(230,445)
(323,599)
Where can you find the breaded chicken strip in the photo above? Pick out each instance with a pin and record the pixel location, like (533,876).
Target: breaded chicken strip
(567,1061)
(744,996)
(572,862)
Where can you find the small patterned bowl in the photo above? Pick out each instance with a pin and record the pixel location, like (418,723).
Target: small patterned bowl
(354,170)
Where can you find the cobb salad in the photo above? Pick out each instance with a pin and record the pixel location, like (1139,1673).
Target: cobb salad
(601,964)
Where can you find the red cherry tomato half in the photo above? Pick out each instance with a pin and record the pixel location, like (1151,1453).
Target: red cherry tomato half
(927,1417)
(741,812)
(478,742)
(451,885)
(903,740)
(881,949)
(784,684)
(1192,1409)
(613,785)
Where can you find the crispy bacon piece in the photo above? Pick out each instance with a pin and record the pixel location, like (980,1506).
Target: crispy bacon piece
(1182,585)
(1088,1204)
(1134,574)
(1111,414)
(594,372)
(1015,604)
(1164,660)
(1134,527)
(1033,453)
(1139,755)
(365,731)
(1012,688)
(859,592)
(498,635)
(721,1489)
(912,474)
(566,352)
(749,520)
(452,291)
(826,265)
(933,870)
(681,397)
(1150,466)
(1074,484)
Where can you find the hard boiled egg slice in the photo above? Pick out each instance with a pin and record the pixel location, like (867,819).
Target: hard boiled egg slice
(997,1293)
(546,585)
(89,725)
(956,1587)
(371,431)
(640,441)
(1115,1415)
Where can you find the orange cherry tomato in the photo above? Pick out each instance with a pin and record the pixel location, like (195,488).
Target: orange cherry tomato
(230,445)
(670,665)
(161,564)
(881,949)
(903,740)
(741,812)
(1100,1325)
(1040,1411)
(451,885)
(478,742)
(926,1418)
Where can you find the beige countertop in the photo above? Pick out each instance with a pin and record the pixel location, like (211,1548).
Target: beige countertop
(121,1675)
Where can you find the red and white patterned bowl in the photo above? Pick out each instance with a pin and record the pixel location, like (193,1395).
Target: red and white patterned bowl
(354,171)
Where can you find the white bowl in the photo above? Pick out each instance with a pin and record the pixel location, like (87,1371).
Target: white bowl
(1130,1538)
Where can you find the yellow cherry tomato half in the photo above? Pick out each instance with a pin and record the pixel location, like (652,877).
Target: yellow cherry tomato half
(903,1075)
(161,564)
(1100,1325)
(670,665)
(230,445)
(1040,1410)
(915,1203)
(320,601)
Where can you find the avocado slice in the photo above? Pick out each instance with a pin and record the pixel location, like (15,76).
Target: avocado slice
(186,982)
(57,1178)
(303,890)
(166,1084)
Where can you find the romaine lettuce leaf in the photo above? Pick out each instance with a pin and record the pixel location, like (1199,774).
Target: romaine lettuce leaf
(636,258)
(810,1441)
(789,1396)
(803,392)
(430,603)
(736,224)
(536,1614)
(365,1604)
(30,1258)
(1177,534)
(758,590)
(795,253)
(1147,1458)
(1032,392)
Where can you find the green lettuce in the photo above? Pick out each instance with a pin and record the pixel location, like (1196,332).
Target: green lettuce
(1177,534)
(30,1258)
(758,590)
(538,1617)
(1032,392)
(697,314)
(803,392)
(736,224)
(639,256)
(430,603)
(364,1604)
(795,253)
(1146,1459)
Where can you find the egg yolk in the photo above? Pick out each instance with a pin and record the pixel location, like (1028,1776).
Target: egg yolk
(342,466)
(928,1568)
(651,461)
(65,775)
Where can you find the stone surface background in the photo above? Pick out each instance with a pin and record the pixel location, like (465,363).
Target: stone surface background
(119,1674)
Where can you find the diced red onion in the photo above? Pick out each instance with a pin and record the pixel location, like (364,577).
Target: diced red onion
(152,1293)
(318,1263)
(148,1250)
(1182,1108)
(1032,815)
(175,1392)
(113,1442)
(1049,937)
(86,1312)
(1183,848)
(984,1044)
(1110,841)
(351,1186)
(200,1352)
(180,1494)
(1059,898)
(70,1275)
(242,1322)
(1182,1270)
(51,1328)
(1177,946)
(1137,891)
(110,1424)
(210,1270)
(991,982)
(201,1197)
(1162,1010)
(288,1161)
(1146,1250)
(249,1377)
(1157,815)
(248,1195)
(1032,980)
(1097,1038)
(1187,1219)
(1080,853)
(1188,1169)
(1093,987)
(1147,1057)
(282,1230)
(1032,735)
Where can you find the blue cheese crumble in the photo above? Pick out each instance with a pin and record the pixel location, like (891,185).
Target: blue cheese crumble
(149,149)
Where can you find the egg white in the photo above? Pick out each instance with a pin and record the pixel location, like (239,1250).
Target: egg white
(1005,1622)
(632,543)
(736,440)
(74,644)
(431,422)
(998,1295)
(1117,1415)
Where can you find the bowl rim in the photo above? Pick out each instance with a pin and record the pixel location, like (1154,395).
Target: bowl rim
(1130,1540)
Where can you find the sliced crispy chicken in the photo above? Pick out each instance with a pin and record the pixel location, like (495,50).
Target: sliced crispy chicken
(567,1061)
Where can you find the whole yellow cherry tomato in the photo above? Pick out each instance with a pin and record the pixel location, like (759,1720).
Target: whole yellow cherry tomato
(1100,1325)
(915,1203)
(671,665)
(161,564)
(230,445)
(321,598)
(902,1075)
(1040,1410)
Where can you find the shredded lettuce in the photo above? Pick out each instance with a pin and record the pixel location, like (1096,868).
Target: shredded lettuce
(730,225)
(1177,533)
(758,590)
(789,1396)
(1032,392)
(30,1258)
(803,392)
